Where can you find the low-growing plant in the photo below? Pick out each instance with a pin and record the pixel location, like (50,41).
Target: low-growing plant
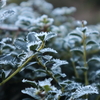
(45,54)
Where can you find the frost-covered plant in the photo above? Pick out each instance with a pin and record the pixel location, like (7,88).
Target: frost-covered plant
(46,54)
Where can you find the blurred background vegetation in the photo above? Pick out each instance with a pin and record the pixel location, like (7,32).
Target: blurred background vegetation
(86,9)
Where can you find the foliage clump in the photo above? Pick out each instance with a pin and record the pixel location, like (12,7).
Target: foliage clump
(46,54)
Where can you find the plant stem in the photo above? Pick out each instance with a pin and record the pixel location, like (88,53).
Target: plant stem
(75,71)
(48,72)
(42,46)
(85,61)
(74,67)
(19,68)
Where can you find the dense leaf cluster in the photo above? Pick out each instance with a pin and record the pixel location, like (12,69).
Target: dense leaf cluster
(45,54)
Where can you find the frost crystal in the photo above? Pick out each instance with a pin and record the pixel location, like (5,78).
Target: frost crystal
(81,91)
(48,50)
(32,92)
(33,44)
(59,62)
(45,82)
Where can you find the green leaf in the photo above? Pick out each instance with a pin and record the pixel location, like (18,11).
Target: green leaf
(77,50)
(5,73)
(41,37)
(50,35)
(33,47)
(33,83)
(94,59)
(47,88)
(75,34)
(91,42)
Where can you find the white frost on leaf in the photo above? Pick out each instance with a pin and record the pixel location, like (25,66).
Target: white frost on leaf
(45,35)
(32,92)
(33,44)
(59,62)
(43,21)
(48,50)
(45,82)
(6,14)
(81,91)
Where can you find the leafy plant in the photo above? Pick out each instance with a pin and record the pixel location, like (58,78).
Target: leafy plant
(47,56)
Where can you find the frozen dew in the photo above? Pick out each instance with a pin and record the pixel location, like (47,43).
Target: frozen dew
(59,62)
(32,92)
(81,91)
(45,82)
(48,50)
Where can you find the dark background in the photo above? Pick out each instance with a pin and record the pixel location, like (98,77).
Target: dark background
(86,9)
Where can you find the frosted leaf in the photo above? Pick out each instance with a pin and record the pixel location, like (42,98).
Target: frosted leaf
(7,72)
(44,21)
(9,46)
(50,35)
(47,57)
(2,3)
(6,39)
(94,32)
(81,91)
(56,70)
(24,22)
(42,5)
(90,42)
(62,75)
(6,14)
(63,11)
(81,29)
(31,82)
(98,73)
(96,58)
(58,93)
(77,50)
(21,44)
(59,62)
(33,46)
(45,35)
(31,37)
(41,35)
(23,59)
(32,92)
(9,27)
(12,62)
(48,50)
(45,82)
